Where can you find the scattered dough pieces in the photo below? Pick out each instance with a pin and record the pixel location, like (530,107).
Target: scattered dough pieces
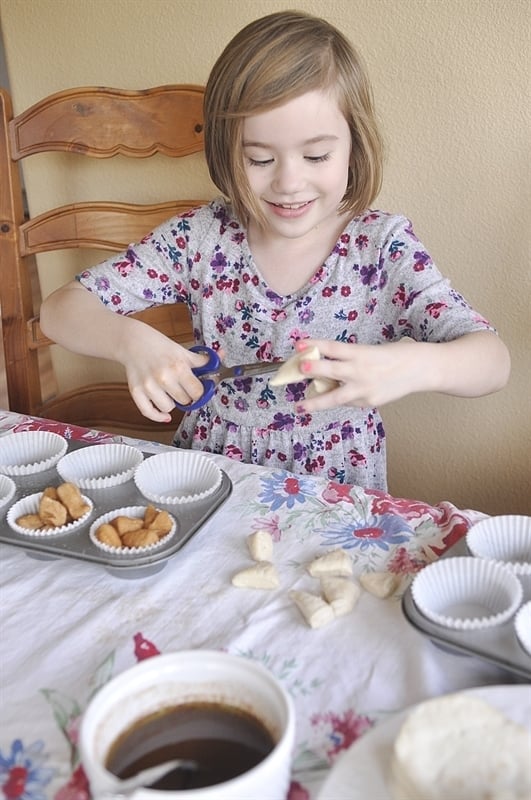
(260,545)
(290,371)
(460,747)
(381,584)
(314,609)
(341,593)
(262,575)
(336,562)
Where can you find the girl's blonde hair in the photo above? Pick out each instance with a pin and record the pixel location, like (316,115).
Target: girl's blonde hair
(275,59)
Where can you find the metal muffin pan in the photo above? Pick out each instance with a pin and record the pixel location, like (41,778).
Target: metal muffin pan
(498,645)
(77,544)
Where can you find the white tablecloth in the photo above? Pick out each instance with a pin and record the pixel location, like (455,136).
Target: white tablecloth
(69,626)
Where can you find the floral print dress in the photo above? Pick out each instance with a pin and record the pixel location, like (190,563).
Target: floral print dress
(378,285)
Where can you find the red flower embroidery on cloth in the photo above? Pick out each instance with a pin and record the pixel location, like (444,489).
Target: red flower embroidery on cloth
(144,648)
(338,493)
(77,787)
(15,785)
(346,729)
(297,792)
(444,514)
(402,563)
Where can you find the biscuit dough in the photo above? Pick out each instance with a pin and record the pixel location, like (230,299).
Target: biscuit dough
(341,593)
(262,575)
(336,562)
(381,584)
(314,609)
(458,747)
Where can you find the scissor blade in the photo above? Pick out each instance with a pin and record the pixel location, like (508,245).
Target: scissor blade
(248,370)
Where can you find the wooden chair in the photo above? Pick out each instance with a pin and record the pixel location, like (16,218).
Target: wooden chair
(97,122)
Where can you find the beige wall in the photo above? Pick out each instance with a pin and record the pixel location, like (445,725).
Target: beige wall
(451,80)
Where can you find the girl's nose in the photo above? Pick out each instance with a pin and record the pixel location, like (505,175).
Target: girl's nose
(288,176)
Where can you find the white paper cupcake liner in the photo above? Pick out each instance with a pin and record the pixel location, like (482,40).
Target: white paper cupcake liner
(466,593)
(505,539)
(7,489)
(129,511)
(522,626)
(177,477)
(28,452)
(30,505)
(100,466)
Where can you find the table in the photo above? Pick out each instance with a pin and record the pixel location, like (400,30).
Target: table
(69,626)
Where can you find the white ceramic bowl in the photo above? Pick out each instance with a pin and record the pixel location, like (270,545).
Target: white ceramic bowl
(28,452)
(180,476)
(164,681)
(466,593)
(100,466)
(506,539)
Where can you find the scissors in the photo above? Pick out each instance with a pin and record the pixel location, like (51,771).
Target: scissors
(211,373)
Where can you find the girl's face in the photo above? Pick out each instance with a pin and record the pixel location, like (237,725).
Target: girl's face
(296,161)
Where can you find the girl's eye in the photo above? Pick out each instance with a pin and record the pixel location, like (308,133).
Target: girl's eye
(255,163)
(317,159)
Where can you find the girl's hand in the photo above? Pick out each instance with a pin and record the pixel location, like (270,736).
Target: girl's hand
(159,372)
(372,375)
(368,375)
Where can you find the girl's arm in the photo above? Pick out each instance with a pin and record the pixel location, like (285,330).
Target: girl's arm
(371,375)
(158,370)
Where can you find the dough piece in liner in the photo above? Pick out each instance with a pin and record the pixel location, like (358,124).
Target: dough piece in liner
(52,512)
(108,535)
(260,545)
(314,609)
(70,497)
(341,593)
(336,562)
(30,521)
(381,584)
(260,576)
(458,747)
(290,371)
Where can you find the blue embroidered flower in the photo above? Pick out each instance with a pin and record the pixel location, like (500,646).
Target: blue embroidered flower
(22,774)
(378,531)
(283,488)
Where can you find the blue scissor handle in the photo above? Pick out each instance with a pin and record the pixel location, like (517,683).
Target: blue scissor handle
(212,365)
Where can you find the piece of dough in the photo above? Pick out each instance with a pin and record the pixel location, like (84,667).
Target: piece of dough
(458,747)
(336,562)
(320,386)
(290,371)
(260,545)
(341,593)
(260,576)
(381,584)
(314,609)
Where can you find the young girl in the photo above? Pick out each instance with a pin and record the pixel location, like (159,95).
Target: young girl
(291,256)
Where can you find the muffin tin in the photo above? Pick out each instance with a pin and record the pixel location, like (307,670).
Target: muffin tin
(498,644)
(77,544)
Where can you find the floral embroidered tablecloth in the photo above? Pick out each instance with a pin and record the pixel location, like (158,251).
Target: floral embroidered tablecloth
(69,626)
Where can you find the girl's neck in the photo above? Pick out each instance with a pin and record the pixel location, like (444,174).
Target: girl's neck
(288,264)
